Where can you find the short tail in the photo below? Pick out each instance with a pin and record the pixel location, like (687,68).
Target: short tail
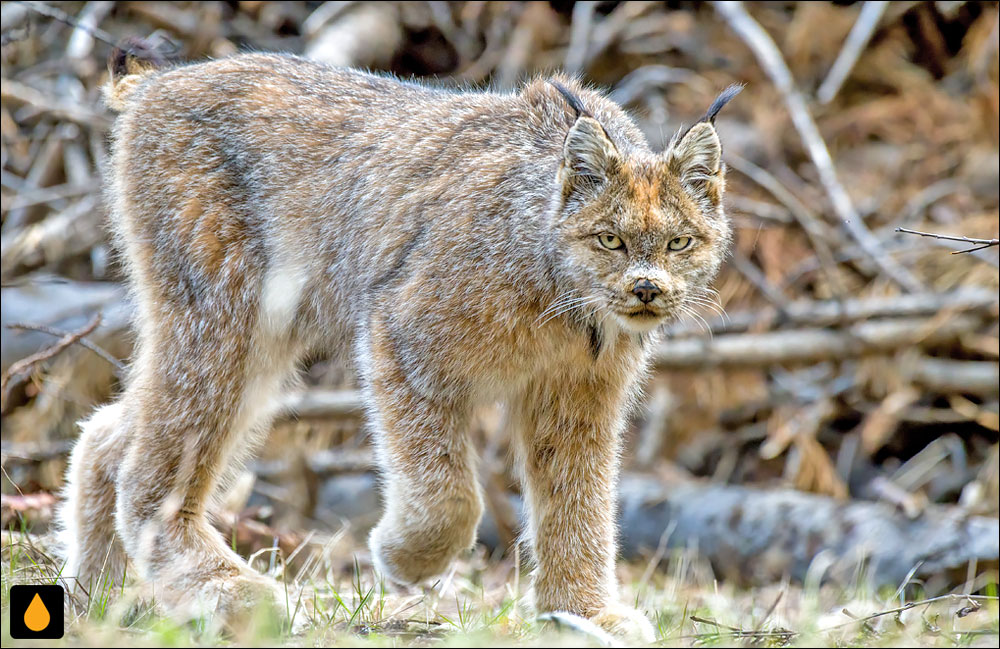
(130,63)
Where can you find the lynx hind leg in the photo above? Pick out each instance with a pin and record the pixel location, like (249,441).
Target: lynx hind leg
(94,557)
(198,400)
(431,492)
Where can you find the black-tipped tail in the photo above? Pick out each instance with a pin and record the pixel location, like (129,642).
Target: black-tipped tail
(134,55)
(130,63)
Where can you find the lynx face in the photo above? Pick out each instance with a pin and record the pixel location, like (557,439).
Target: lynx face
(644,234)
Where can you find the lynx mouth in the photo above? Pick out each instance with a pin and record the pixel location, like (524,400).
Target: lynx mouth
(643,314)
(640,320)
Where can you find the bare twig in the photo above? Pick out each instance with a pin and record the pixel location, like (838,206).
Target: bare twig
(16,93)
(610,29)
(84,342)
(63,17)
(736,632)
(979,244)
(815,230)
(25,365)
(861,33)
(82,40)
(908,606)
(810,345)
(69,232)
(770,59)
(756,277)
(641,80)
(579,36)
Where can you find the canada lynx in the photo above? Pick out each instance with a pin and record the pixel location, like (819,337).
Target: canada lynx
(463,248)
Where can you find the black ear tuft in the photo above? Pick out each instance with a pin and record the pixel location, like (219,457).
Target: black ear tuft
(724,98)
(571,99)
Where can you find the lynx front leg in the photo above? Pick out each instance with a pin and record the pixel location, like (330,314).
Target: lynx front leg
(569,443)
(432,497)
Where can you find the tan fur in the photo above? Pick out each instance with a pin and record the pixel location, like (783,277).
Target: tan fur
(269,208)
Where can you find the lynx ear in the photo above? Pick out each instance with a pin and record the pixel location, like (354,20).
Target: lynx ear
(696,158)
(589,156)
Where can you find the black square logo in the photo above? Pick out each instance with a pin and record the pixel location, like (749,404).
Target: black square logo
(36,612)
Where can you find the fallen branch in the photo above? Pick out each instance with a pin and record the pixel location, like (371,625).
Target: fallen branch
(17,93)
(815,230)
(63,305)
(324,463)
(779,347)
(84,342)
(35,507)
(24,366)
(974,599)
(857,39)
(764,349)
(762,534)
(770,59)
(810,345)
(35,451)
(72,231)
(756,534)
(826,313)
(86,25)
(946,376)
(979,243)
(323,403)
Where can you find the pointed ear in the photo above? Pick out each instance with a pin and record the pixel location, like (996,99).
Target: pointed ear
(696,160)
(589,157)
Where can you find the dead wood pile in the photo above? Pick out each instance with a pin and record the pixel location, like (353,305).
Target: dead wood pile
(844,360)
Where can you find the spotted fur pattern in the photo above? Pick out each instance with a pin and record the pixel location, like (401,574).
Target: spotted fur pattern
(452,244)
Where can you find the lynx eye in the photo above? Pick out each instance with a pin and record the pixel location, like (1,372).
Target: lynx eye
(610,241)
(680,243)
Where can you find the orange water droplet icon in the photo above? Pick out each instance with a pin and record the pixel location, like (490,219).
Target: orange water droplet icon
(37,616)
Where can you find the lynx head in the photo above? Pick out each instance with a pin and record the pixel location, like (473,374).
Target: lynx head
(643,233)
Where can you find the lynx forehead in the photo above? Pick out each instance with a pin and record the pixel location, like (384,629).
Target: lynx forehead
(461,248)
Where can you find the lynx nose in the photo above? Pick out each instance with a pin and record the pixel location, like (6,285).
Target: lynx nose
(646,290)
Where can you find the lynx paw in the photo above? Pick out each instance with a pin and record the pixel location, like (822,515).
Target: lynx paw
(400,564)
(626,623)
(232,602)
(407,557)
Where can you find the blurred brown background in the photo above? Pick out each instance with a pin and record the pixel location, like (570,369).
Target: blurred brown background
(845,360)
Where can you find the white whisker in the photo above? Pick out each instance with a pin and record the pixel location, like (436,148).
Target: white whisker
(700,321)
(712,306)
(558,303)
(565,307)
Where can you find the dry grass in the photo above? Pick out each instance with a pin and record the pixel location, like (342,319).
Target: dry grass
(336,600)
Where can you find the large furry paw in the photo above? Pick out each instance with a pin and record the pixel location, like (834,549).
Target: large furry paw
(233,603)
(402,559)
(626,623)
